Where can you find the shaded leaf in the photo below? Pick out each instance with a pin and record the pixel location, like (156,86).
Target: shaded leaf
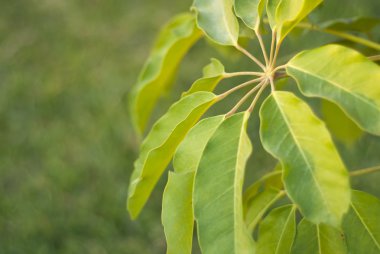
(318,239)
(213,73)
(314,175)
(218,189)
(356,24)
(217,19)
(250,11)
(177,207)
(277,231)
(259,205)
(177,212)
(361,225)
(158,147)
(343,76)
(157,75)
(340,126)
(268,181)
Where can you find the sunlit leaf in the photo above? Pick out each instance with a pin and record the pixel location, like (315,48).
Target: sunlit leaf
(340,126)
(213,73)
(218,189)
(288,13)
(158,73)
(277,231)
(314,175)
(250,11)
(259,205)
(177,206)
(356,24)
(318,239)
(217,19)
(344,77)
(159,146)
(362,224)
(271,7)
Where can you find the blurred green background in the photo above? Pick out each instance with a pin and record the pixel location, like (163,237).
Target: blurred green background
(66,143)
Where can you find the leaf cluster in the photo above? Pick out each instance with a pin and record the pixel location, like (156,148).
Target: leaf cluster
(210,155)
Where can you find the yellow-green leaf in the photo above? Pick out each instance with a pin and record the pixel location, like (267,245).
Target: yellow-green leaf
(318,239)
(361,225)
(344,77)
(218,189)
(268,181)
(177,208)
(250,11)
(213,73)
(314,175)
(289,13)
(158,73)
(160,144)
(259,205)
(277,231)
(217,19)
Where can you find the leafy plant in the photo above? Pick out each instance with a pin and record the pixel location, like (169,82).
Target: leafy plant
(210,155)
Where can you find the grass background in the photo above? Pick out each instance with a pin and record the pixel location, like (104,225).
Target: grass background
(66,143)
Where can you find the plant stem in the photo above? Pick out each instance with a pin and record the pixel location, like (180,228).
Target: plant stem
(343,35)
(279,67)
(223,95)
(262,46)
(374,58)
(364,171)
(273,63)
(252,106)
(242,73)
(245,52)
(242,100)
(272,45)
(272,84)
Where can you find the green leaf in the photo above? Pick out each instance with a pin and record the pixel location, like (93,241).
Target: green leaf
(361,225)
(158,73)
(356,24)
(277,231)
(314,175)
(213,73)
(177,212)
(343,76)
(189,152)
(290,12)
(160,144)
(340,126)
(270,180)
(258,206)
(218,189)
(250,11)
(318,239)
(217,19)
(177,207)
